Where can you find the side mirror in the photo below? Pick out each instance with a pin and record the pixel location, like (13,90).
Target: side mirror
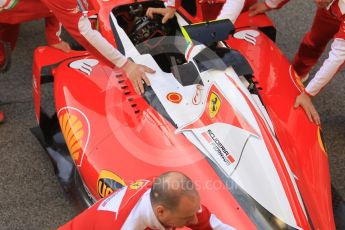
(208,33)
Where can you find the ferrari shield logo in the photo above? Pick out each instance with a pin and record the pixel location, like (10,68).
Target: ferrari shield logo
(137,185)
(214,105)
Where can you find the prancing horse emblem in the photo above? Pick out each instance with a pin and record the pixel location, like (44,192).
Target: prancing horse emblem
(214,105)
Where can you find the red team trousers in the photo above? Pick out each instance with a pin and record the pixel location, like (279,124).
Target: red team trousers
(325,26)
(25,11)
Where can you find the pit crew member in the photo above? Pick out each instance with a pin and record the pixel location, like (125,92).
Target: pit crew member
(328,24)
(170,202)
(12,14)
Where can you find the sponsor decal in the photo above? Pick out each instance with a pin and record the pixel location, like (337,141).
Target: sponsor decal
(113,202)
(247,35)
(198,95)
(320,140)
(137,184)
(214,105)
(85,65)
(76,131)
(207,137)
(220,111)
(174,97)
(299,81)
(296,79)
(218,147)
(108,182)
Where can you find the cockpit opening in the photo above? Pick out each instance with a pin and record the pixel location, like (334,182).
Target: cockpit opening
(150,36)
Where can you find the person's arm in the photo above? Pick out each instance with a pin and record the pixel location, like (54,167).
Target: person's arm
(79,26)
(329,68)
(327,71)
(231,10)
(262,7)
(99,45)
(167,13)
(335,60)
(53,32)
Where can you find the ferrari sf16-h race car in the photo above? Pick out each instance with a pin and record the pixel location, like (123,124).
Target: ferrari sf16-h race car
(219,108)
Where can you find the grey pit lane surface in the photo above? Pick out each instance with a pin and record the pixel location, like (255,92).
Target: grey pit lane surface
(30,195)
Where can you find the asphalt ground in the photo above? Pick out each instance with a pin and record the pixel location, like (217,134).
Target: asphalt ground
(30,195)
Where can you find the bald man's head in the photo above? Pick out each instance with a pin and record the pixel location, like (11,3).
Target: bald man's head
(175,200)
(170,187)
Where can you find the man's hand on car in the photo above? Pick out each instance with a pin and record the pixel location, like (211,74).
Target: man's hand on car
(167,13)
(137,75)
(305,102)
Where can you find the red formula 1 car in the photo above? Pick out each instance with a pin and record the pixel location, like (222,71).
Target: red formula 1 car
(221,112)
